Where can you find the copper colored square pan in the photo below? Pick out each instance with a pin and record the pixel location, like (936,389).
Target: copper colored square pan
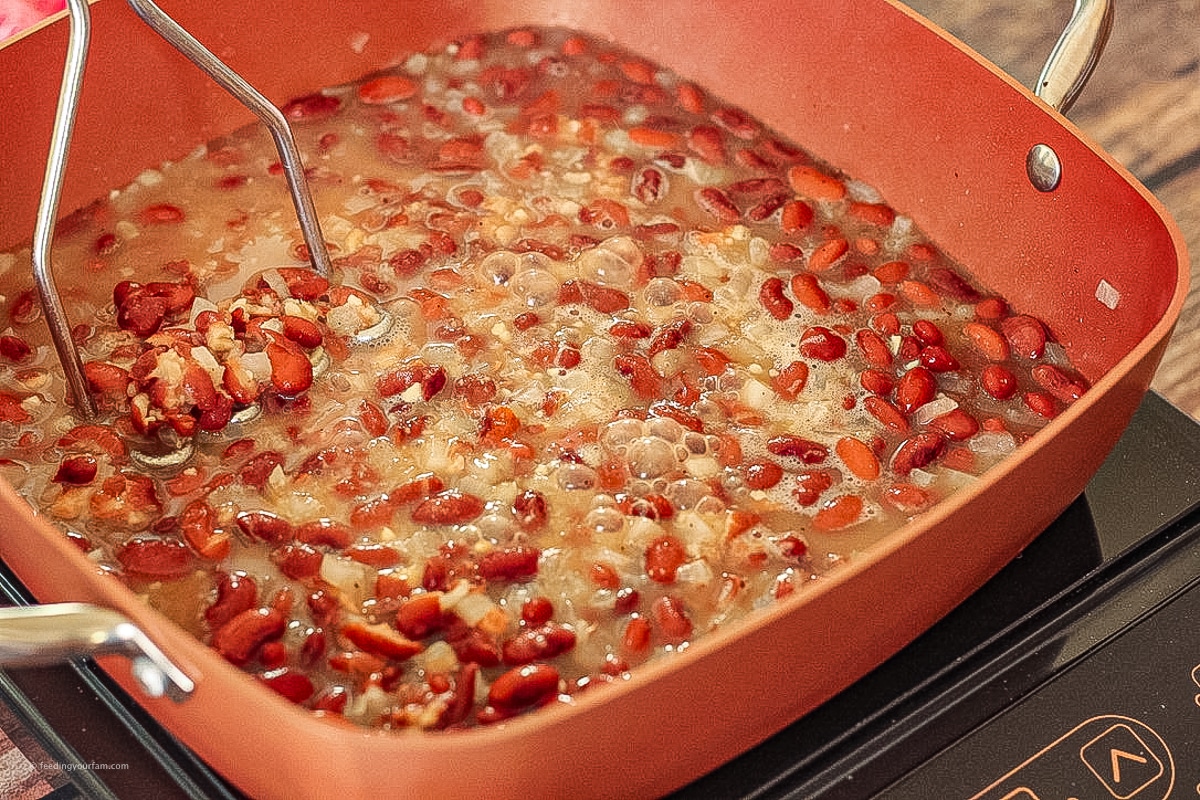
(868,87)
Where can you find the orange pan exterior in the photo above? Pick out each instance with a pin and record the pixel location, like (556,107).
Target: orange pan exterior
(868,87)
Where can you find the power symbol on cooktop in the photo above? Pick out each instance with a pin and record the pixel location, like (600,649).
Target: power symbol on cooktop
(1121,761)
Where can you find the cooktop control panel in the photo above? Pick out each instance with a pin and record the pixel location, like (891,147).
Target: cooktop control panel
(1121,724)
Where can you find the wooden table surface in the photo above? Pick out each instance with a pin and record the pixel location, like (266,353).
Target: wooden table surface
(1142,105)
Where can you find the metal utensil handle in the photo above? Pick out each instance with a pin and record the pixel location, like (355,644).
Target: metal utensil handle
(41,635)
(56,165)
(281,132)
(43,232)
(1075,54)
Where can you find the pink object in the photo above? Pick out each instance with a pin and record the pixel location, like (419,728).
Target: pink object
(17,15)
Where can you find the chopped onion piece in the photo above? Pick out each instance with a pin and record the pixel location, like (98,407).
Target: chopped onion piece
(934,408)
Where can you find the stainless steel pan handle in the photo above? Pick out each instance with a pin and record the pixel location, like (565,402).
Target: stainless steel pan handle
(41,635)
(1063,77)
(1075,55)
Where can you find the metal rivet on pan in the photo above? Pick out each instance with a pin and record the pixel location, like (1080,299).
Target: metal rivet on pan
(1043,168)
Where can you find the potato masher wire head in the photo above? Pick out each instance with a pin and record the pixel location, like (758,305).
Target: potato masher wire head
(64,123)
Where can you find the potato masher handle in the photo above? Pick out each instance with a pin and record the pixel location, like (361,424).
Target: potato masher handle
(56,165)
(42,635)
(271,116)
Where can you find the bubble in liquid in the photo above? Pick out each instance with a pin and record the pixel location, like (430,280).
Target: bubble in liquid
(686,493)
(572,477)
(611,264)
(662,292)
(616,435)
(499,267)
(601,500)
(701,313)
(536,287)
(650,457)
(664,428)
(494,526)
(608,519)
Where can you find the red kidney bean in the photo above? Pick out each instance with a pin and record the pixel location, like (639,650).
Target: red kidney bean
(873,348)
(156,558)
(645,382)
(808,291)
(265,526)
(886,413)
(791,380)
(918,452)
(664,555)
(604,299)
(707,142)
(822,344)
(298,561)
(462,698)
(998,381)
(142,316)
(928,332)
(311,107)
(987,341)
(511,563)
(713,201)
(449,507)
(536,611)
(949,283)
(877,382)
(1026,335)
(540,643)
(239,639)
(1064,388)
(991,309)
(669,336)
(432,380)
(810,485)
(808,451)
(956,425)
(762,474)
(785,252)
(530,510)
(630,329)
(291,371)
(76,470)
(420,615)
(671,618)
(381,640)
(1041,403)
(235,594)
(324,532)
(303,332)
(908,498)
(15,349)
(915,388)
(524,686)
(636,638)
(294,686)
(938,359)
(879,214)
(649,185)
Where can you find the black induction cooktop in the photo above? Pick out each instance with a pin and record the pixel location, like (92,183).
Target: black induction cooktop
(1074,673)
